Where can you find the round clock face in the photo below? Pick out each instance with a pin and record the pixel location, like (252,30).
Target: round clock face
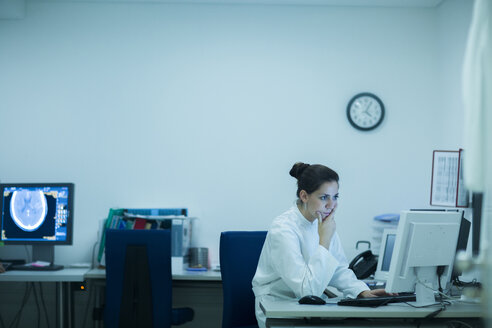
(365,111)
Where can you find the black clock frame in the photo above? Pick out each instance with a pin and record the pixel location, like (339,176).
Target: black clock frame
(365,94)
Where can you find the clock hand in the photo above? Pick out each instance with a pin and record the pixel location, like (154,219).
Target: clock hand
(366,110)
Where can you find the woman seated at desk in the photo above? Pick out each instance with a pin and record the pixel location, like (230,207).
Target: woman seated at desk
(302,253)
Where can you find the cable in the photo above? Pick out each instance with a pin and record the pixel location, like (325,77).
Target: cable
(93,255)
(432,314)
(461,323)
(37,303)
(44,304)
(86,314)
(428,305)
(29,255)
(435,291)
(91,290)
(441,294)
(2,323)
(474,283)
(435,313)
(16,319)
(24,303)
(454,299)
(440,271)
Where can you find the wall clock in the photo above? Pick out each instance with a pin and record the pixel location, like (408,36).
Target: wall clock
(365,111)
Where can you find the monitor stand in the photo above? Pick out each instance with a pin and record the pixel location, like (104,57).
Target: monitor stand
(44,253)
(423,289)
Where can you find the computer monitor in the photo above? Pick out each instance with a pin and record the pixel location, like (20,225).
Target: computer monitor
(477,199)
(461,245)
(385,254)
(37,214)
(425,241)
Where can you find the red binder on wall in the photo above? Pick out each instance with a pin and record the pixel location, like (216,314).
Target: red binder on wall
(447,185)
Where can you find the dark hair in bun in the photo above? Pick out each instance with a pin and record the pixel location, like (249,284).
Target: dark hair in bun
(311,177)
(297,169)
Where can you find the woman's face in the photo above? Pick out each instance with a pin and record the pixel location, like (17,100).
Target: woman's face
(323,200)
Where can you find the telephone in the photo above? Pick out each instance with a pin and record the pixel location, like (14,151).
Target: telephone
(364,264)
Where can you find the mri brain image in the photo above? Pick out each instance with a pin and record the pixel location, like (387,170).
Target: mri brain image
(28,209)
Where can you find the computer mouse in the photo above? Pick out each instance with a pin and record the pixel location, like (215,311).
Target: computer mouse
(312,299)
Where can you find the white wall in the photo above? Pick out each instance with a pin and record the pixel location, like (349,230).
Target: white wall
(454,18)
(208,107)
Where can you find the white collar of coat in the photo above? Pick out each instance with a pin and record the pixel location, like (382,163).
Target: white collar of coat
(300,218)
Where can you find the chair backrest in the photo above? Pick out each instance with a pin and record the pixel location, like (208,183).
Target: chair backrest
(239,255)
(156,244)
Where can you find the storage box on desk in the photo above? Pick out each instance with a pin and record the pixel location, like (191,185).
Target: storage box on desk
(158,211)
(172,218)
(181,232)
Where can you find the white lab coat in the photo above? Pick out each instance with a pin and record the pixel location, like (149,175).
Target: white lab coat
(292,264)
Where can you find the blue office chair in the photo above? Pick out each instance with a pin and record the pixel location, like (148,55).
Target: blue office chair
(239,255)
(139,280)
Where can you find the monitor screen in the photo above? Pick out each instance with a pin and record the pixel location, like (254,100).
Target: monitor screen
(425,245)
(37,213)
(385,254)
(477,218)
(390,243)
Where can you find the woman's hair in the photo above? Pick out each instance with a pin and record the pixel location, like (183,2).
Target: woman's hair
(311,177)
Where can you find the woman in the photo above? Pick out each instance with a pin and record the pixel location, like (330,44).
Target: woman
(302,253)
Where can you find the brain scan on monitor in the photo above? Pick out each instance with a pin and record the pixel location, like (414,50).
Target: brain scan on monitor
(39,215)
(28,209)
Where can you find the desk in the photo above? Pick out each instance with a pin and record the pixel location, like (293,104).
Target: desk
(291,313)
(200,290)
(64,296)
(184,275)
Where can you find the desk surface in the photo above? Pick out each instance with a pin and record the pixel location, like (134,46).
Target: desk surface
(292,309)
(68,274)
(185,275)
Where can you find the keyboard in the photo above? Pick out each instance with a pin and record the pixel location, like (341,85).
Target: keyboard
(377,301)
(24,267)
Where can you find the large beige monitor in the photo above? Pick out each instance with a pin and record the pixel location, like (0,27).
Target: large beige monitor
(425,241)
